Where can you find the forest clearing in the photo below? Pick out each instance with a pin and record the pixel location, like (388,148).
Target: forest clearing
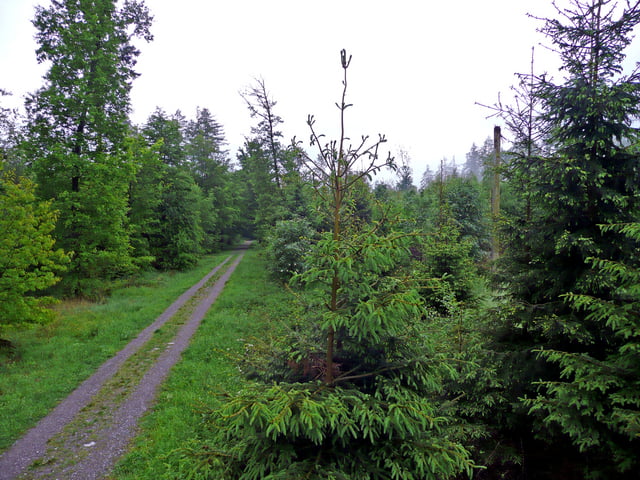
(484,324)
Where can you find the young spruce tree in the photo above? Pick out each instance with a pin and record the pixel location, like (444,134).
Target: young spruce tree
(355,398)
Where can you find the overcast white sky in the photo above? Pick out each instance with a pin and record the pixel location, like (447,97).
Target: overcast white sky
(418,67)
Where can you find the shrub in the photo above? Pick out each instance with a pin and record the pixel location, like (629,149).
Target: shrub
(286,246)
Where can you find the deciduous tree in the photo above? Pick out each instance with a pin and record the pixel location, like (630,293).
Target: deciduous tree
(29,259)
(78,125)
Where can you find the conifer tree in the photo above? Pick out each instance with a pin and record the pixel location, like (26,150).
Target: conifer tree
(178,239)
(168,131)
(262,198)
(596,400)
(209,163)
(583,177)
(356,397)
(273,187)
(267,133)
(590,176)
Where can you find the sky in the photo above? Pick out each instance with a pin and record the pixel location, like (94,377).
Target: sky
(418,70)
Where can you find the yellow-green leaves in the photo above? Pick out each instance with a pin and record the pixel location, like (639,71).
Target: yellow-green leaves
(29,260)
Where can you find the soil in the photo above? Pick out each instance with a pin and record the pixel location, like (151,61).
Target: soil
(84,436)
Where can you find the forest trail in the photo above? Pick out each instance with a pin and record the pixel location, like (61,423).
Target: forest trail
(86,433)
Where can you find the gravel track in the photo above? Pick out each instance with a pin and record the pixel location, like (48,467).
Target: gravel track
(112,439)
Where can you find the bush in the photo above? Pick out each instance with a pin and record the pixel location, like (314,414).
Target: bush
(287,244)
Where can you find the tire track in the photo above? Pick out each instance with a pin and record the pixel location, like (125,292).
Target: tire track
(113,439)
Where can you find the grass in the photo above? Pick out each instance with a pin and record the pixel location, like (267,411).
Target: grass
(249,306)
(51,360)
(64,449)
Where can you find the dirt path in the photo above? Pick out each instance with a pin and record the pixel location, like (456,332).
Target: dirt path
(86,433)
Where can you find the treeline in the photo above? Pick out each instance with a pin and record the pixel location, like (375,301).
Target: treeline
(119,198)
(410,351)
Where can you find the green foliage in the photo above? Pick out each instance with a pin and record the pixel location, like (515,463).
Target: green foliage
(85,102)
(29,260)
(445,268)
(311,431)
(178,243)
(271,173)
(457,202)
(375,302)
(263,205)
(596,401)
(477,397)
(287,245)
(168,133)
(356,376)
(145,196)
(575,169)
(381,405)
(210,167)
(379,419)
(93,222)
(192,207)
(77,129)
(587,175)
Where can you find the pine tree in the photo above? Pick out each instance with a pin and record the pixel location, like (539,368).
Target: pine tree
(591,177)
(596,400)
(205,149)
(263,200)
(404,172)
(168,130)
(274,190)
(181,209)
(475,160)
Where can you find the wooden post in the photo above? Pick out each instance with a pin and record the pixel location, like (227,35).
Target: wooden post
(441,195)
(495,194)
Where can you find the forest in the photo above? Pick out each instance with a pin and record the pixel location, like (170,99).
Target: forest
(482,324)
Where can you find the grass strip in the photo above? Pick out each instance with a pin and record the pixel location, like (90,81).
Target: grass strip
(52,360)
(250,305)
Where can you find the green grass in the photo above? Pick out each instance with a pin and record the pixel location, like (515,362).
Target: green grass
(51,360)
(249,306)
